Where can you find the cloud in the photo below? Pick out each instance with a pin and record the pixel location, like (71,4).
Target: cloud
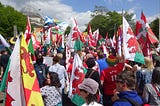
(52,8)
(152,18)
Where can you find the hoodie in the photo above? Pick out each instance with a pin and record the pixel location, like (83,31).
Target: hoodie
(128,94)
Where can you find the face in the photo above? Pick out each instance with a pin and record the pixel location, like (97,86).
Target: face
(83,93)
(119,85)
(48,79)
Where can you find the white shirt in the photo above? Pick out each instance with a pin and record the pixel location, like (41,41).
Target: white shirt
(62,74)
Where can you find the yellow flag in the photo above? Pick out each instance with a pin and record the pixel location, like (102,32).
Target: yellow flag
(31,87)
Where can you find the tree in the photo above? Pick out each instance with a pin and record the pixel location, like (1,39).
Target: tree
(155,26)
(110,22)
(10,17)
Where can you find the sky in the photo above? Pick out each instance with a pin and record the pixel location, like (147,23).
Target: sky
(81,9)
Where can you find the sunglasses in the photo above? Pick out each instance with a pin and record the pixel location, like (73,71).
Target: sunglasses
(119,81)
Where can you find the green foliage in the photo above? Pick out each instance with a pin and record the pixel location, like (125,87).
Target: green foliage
(10,17)
(155,27)
(109,22)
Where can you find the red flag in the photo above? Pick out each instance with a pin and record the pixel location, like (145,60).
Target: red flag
(28,30)
(144,35)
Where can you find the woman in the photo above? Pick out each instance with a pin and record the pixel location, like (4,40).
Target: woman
(151,92)
(144,75)
(88,89)
(50,92)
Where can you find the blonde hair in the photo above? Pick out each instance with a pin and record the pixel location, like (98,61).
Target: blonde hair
(148,63)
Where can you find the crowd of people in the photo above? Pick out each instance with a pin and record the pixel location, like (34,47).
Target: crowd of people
(109,81)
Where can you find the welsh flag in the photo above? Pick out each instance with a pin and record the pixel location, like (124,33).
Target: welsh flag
(77,77)
(14,90)
(132,50)
(3,41)
(144,35)
(32,93)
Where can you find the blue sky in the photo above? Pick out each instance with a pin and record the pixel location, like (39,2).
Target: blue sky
(149,7)
(82,9)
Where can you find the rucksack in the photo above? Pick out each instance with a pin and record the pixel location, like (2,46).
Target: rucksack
(41,71)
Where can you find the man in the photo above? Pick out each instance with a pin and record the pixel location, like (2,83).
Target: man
(108,78)
(125,93)
(60,70)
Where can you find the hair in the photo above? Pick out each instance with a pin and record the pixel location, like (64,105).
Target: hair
(90,62)
(148,63)
(127,77)
(91,97)
(56,59)
(39,59)
(54,79)
(156,76)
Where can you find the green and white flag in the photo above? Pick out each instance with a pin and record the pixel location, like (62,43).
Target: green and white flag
(132,50)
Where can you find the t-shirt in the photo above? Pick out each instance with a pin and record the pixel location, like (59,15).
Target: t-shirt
(51,95)
(108,76)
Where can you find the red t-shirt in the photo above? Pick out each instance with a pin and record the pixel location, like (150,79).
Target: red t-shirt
(109,77)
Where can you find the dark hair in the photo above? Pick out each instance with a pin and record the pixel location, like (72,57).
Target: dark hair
(90,62)
(54,79)
(91,97)
(128,78)
(156,76)
(39,59)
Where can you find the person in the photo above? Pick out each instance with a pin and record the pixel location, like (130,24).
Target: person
(50,92)
(88,89)
(41,69)
(125,93)
(108,78)
(93,74)
(144,75)
(151,92)
(102,61)
(4,61)
(60,70)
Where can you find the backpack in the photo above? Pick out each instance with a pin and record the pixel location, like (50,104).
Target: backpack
(41,72)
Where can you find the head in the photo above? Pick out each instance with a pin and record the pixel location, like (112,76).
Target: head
(125,81)
(88,89)
(148,63)
(156,60)
(54,79)
(90,62)
(39,59)
(156,76)
(56,59)
(111,60)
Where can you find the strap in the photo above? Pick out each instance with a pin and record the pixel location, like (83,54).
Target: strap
(133,103)
(91,73)
(158,93)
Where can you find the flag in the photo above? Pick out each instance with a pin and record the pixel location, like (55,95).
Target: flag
(74,34)
(131,46)
(49,20)
(32,93)
(28,30)
(3,41)
(144,35)
(78,45)
(48,40)
(14,89)
(77,77)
